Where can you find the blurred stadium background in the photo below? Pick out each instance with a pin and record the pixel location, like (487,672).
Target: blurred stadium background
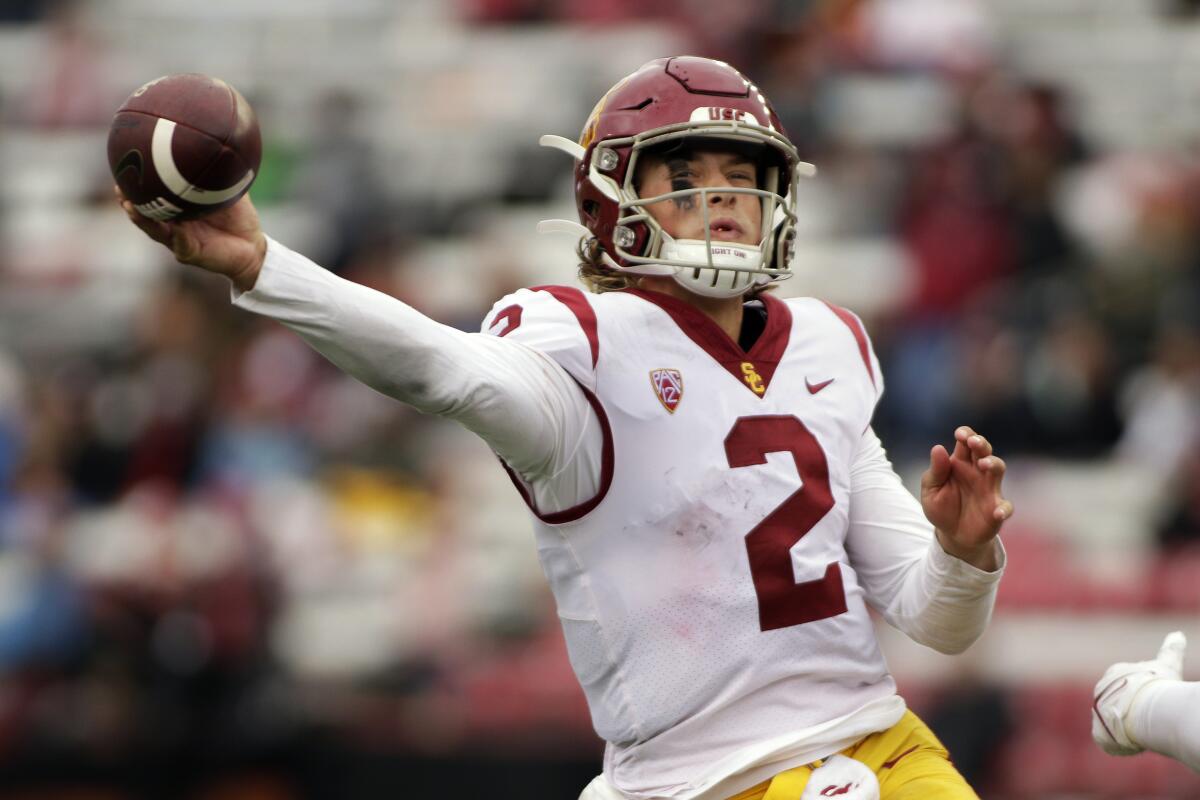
(227,572)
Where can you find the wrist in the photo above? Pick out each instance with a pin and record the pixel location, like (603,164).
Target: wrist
(245,278)
(982,557)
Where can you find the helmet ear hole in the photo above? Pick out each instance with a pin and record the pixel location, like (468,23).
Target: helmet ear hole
(591,208)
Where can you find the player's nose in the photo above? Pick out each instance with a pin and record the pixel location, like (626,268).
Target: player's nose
(716,197)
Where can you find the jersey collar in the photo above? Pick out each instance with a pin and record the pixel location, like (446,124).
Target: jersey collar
(752,369)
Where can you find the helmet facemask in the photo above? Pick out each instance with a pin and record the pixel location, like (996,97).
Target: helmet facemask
(681,100)
(709,267)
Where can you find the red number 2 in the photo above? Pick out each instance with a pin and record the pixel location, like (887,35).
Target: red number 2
(782,602)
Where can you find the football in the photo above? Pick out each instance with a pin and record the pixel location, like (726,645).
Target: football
(183,146)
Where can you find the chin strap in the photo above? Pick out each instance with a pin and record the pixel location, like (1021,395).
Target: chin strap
(699,253)
(713,270)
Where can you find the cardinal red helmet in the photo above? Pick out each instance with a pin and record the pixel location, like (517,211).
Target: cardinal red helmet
(666,101)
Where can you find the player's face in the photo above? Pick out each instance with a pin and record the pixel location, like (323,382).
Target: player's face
(731,217)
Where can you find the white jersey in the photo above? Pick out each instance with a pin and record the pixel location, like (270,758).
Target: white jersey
(706,590)
(713,522)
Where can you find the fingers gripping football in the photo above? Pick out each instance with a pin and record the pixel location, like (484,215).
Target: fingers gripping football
(158,231)
(229,242)
(961,495)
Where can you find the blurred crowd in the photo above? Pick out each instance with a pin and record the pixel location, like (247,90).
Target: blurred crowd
(227,570)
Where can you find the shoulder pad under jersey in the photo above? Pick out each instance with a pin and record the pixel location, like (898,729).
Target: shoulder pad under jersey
(557,321)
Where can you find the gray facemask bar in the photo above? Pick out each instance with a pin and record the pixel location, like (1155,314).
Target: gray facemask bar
(771,199)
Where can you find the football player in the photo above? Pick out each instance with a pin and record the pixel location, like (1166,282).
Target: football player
(1146,705)
(712,509)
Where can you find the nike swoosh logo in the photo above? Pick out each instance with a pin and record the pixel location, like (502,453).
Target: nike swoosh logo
(131,160)
(813,388)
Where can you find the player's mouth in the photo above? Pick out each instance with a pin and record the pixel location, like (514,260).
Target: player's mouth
(725,229)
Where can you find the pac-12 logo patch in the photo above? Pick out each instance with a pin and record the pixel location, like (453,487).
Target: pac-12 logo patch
(668,385)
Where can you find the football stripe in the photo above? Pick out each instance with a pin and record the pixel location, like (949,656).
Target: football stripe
(172,178)
(860,336)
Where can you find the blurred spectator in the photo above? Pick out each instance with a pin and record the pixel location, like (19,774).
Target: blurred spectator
(1072,389)
(956,225)
(1032,123)
(339,181)
(1161,405)
(48,628)
(956,36)
(1181,527)
(72,87)
(974,720)
(13,419)
(17,11)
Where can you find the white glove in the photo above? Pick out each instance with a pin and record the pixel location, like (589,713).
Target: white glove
(1118,688)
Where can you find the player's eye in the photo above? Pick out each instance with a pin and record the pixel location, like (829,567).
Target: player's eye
(742,175)
(683,179)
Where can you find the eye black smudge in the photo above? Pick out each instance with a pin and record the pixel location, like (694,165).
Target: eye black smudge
(687,202)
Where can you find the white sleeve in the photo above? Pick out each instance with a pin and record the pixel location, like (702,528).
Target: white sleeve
(1163,718)
(523,404)
(934,598)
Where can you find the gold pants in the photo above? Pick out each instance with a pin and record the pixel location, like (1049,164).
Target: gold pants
(908,759)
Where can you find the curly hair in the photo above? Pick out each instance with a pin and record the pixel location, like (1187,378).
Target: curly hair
(596,277)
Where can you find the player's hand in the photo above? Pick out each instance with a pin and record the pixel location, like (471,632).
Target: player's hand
(1121,686)
(229,242)
(960,494)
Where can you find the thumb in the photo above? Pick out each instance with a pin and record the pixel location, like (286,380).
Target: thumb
(939,468)
(157,230)
(1170,655)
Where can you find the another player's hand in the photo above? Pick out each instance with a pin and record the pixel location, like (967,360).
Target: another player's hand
(960,494)
(1121,686)
(229,242)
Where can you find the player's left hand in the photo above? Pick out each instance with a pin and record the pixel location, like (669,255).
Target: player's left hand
(960,494)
